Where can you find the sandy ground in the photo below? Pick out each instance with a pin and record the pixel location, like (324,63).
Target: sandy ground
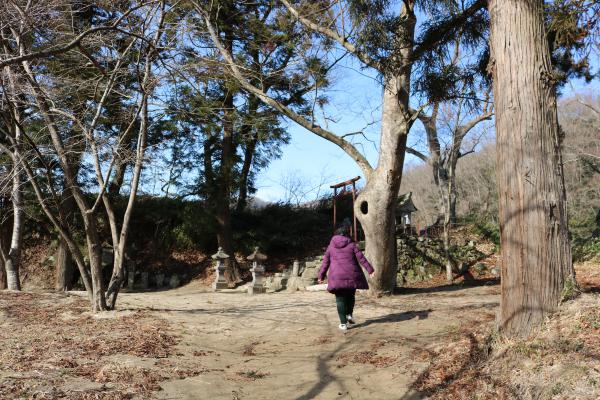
(192,343)
(288,346)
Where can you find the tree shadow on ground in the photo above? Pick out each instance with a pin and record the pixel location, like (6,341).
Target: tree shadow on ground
(590,287)
(593,289)
(476,354)
(396,317)
(449,287)
(325,376)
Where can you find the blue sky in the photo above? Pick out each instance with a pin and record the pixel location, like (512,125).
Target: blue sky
(355,100)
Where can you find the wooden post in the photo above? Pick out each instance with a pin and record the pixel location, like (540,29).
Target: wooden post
(353,214)
(334,208)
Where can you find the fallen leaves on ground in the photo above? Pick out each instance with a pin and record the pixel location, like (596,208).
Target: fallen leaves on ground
(49,339)
(560,359)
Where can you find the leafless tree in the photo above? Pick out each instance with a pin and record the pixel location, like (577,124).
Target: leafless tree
(299,188)
(445,130)
(42,92)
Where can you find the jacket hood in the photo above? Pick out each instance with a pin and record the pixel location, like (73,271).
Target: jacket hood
(340,241)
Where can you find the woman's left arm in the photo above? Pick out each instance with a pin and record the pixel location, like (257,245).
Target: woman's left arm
(324,266)
(363,260)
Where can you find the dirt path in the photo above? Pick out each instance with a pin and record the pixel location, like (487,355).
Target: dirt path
(288,346)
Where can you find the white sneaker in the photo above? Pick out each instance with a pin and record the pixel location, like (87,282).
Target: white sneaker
(350,319)
(343,327)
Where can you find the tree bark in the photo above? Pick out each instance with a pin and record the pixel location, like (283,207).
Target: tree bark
(65,267)
(375,206)
(3,284)
(536,257)
(248,157)
(13,259)
(223,200)
(5,228)
(224,184)
(446,186)
(94,245)
(251,139)
(89,219)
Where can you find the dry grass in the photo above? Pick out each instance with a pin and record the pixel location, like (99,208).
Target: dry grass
(51,346)
(560,361)
(370,356)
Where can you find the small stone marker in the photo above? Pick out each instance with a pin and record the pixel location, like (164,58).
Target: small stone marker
(310,273)
(294,282)
(296,268)
(258,271)
(220,281)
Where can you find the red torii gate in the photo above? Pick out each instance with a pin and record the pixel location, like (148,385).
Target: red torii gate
(344,185)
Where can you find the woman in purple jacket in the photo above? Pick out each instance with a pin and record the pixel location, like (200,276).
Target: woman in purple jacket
(345,275)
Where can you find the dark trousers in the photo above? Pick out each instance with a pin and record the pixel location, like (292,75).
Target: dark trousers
(344,299)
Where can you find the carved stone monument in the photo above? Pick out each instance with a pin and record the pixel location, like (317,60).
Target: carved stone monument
(258,271)
(220,281)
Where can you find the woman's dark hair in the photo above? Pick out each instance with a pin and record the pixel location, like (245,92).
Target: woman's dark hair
(342,230)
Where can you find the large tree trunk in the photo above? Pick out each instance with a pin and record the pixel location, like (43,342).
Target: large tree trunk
(449,198)
(223,200)
(536,258)
(446,181)
(12,260)
(376,205)
(65,267)
(223,210)
(3,284)
(248,157)
(95,254)
(5,236)
(251,139)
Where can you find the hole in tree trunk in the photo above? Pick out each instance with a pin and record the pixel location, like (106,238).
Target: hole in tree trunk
(364,208)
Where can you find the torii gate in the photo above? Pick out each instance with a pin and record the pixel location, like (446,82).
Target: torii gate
(343,186)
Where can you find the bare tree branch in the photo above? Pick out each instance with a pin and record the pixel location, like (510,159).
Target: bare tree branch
(330,33)
(352,151)
(75,43)
(417,153)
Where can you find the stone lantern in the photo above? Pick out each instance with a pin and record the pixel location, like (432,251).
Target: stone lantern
(258,271)
(220,281)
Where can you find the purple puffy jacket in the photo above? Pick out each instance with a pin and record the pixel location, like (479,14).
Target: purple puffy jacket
(341,259)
